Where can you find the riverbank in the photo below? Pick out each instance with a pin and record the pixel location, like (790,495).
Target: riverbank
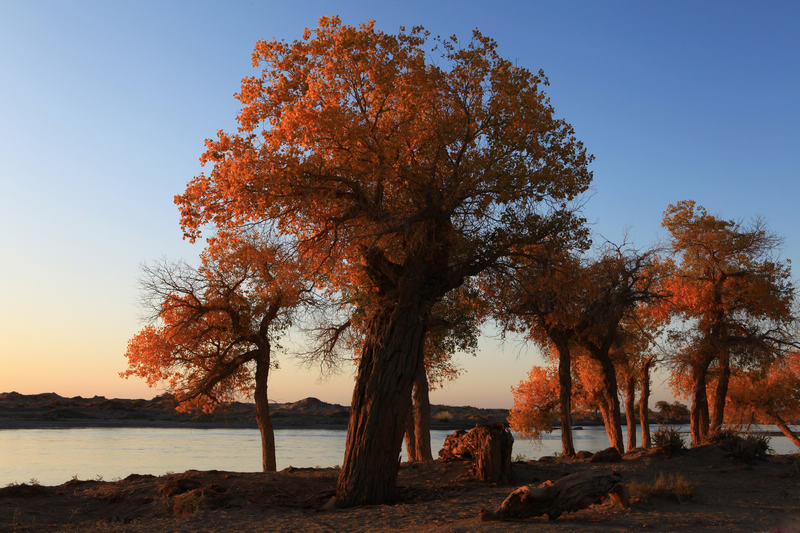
(52,411)
(442,496)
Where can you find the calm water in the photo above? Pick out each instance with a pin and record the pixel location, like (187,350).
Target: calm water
(53,456)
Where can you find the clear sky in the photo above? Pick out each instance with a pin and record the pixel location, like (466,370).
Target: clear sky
(104,107)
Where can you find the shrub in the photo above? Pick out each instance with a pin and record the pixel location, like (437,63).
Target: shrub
(747,448)
(675,487)
(669,440)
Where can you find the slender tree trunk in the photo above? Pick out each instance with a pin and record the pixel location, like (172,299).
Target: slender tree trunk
(720,393)
(262,411)
(381,401)
(630,407)
(699,412)
(610,408)
(565,396)
(785,429)
(411,439)
(644,400)
(422,415)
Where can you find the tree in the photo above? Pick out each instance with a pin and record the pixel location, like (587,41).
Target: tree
(770,395)
(614,286)
(543,298)
(536,403)
(734,298)
(216,328)
(413,173)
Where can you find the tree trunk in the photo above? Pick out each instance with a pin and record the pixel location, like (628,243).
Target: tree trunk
(644,400)
(411,439)
(381,401)
(630,407)
(699,413)
(720,393)
(422,415)
(262,411)
(565,396)
(786,430)
(610,405)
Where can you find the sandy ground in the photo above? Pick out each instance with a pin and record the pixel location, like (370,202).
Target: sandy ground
(729,496)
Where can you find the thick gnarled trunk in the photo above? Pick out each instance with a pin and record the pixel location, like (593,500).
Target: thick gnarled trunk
(630,407)
(644,400)
(609,407)
(565,397)
(380,405)
(720,394)
(263,417)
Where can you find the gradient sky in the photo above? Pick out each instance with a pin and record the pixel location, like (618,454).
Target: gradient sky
(104,107)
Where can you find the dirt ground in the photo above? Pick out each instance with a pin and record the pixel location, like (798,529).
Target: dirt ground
(443,496)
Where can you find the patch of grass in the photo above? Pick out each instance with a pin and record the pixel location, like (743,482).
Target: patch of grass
(520,458)
(668,439)
(674,486)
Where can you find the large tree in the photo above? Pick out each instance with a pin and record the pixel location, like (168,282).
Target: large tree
(410,161)
(734,299)
(214,328)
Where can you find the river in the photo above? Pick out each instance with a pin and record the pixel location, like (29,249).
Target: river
(53,456)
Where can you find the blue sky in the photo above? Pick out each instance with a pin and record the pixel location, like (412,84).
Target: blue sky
(104,107)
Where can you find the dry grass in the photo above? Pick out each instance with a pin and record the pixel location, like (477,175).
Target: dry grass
(674,486)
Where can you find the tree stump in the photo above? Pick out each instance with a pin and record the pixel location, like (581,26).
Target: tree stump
(489,448)
(570,493)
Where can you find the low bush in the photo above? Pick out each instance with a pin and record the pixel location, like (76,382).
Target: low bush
(669,440)
(675,487)
(747,448)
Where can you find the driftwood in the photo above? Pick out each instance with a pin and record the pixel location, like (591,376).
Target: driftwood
(488,446)
(570,493)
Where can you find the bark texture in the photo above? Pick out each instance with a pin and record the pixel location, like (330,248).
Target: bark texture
(570,493)
(411,439)
(488,446)
(720,394)
(262,411)
(699,411)
(380,404)
(644,401)
(630,407)
(565,397)
(609,408)
(422,416)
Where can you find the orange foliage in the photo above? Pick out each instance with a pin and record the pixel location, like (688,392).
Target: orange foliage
(536,403)
(214,323)
(770,395)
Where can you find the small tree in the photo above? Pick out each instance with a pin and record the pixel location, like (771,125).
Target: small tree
(215,328)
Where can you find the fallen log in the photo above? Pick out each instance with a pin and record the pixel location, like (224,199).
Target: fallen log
(570,493)
(489,448)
